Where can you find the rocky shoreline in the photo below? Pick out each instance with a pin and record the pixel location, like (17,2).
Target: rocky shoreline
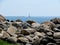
(30,32)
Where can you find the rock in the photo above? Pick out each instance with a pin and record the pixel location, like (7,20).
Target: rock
(23,40)
(12,39)
(17,24)
(30,21)
(56,30)
(56,35)
(39,34)
(29,38)
(36,26)
(20,35)
(51,44)
(36,40)
(2,18)
(18,20)
(56,20)
(1,33)
(46,40)
(11,30)
(51,25)
(5,35)
(45,28)
(26,25)
(28,31)
(50,34)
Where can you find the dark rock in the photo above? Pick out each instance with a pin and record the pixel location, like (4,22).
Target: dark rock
(18,20)
(30,21)
(56,20)
(51,44)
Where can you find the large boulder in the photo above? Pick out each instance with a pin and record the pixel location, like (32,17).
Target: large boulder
(2,18)
(28,31)
(12,30)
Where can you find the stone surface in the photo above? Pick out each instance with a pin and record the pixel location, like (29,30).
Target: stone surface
(11,30)
(56,35)
(28,31)
(2,18)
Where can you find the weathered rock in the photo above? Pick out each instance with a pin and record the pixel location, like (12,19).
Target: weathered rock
(1,33)
(45,28)
(28,31)
(30,21)
(56,20)
(11,30)
(23,40)
(51,25)
(50,34)
(12,39)
(2,18)
(36,40)
(36,26)
(5,35)
(56,35)
(26,25)
(39,34)
(29,38)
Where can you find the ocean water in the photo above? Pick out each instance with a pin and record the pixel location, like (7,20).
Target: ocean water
(37,19)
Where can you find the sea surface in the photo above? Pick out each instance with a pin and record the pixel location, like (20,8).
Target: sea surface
(37,19)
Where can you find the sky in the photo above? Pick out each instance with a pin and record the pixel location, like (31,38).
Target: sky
(32,7)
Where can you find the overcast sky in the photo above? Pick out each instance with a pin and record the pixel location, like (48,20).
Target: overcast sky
(34,7)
